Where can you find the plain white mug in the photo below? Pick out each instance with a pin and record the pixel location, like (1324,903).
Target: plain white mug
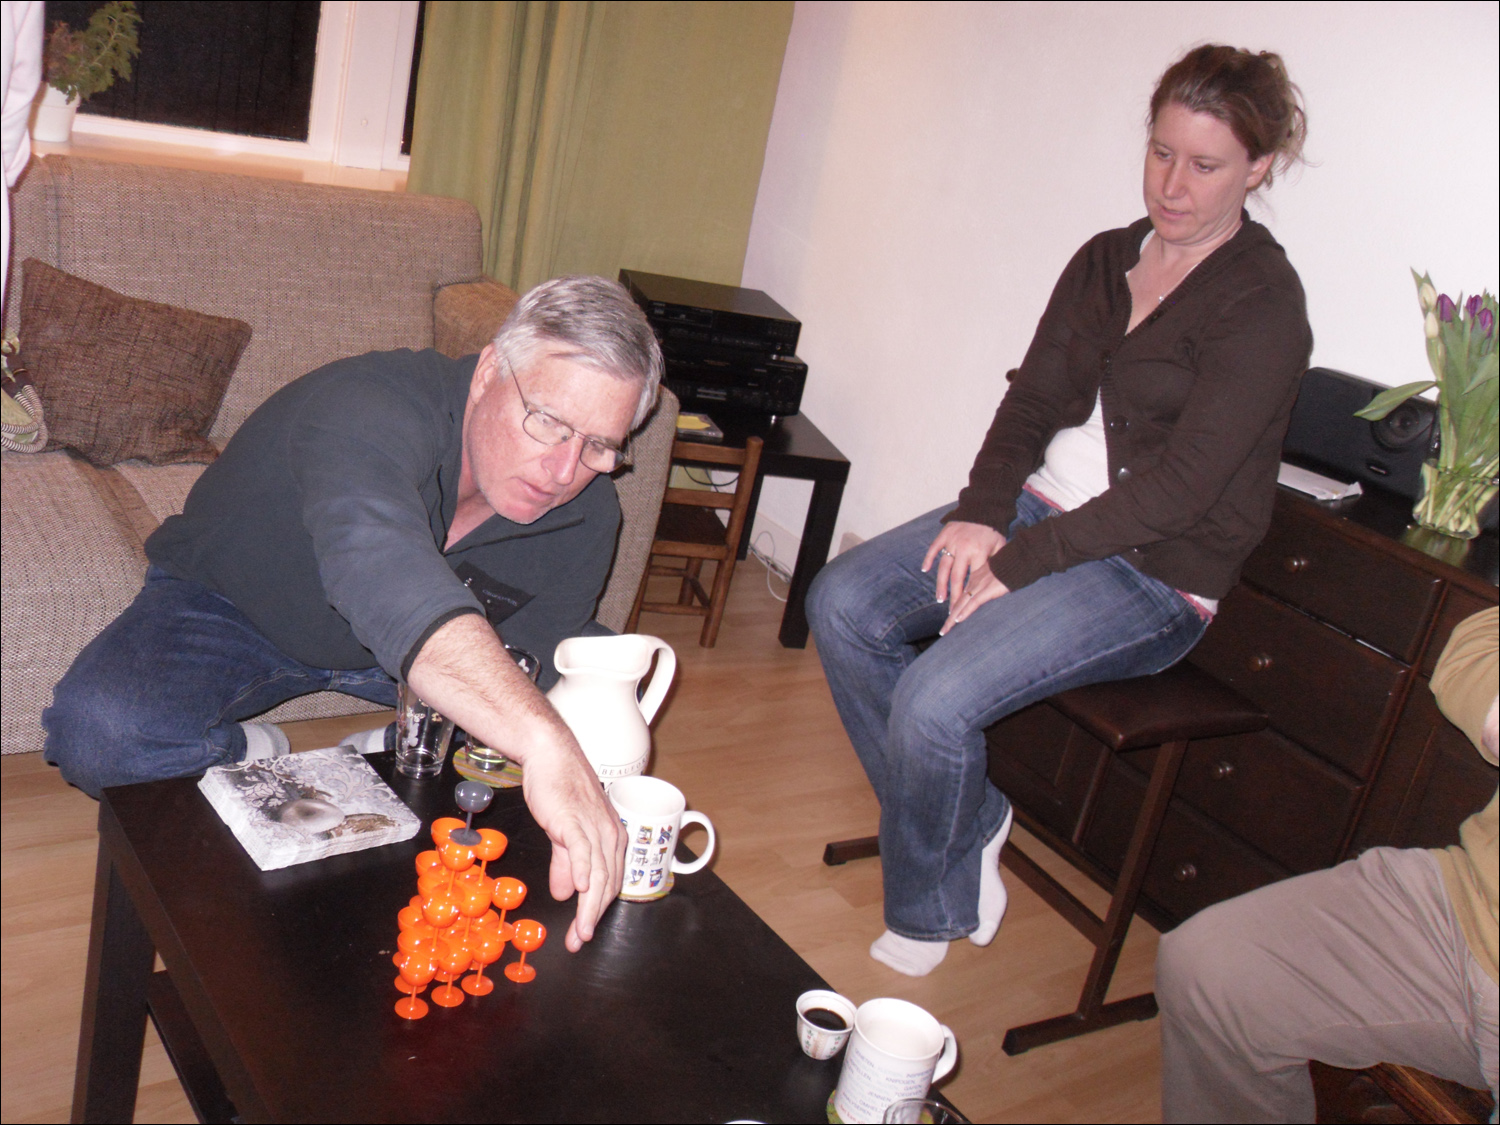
(896,1052)
(653,812)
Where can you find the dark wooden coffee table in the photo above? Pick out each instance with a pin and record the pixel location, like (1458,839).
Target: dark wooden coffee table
(277,999)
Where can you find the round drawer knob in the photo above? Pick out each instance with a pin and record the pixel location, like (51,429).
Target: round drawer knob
(1296,564)
(1261,662)
(1184,873)
(1223,770)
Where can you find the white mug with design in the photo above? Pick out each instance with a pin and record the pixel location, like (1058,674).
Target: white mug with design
(897,1051)
(653,812)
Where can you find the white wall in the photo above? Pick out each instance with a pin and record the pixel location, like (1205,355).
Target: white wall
(932,167)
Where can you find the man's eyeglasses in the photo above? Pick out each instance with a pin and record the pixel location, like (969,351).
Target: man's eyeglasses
(596,454)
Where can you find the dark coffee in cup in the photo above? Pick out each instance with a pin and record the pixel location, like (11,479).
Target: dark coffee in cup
(825,1018)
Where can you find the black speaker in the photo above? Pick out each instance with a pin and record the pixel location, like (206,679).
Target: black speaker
(1326,437)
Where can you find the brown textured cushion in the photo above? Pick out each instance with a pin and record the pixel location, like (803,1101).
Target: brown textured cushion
(123,378)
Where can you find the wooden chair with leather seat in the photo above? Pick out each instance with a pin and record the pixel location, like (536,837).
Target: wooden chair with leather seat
(1167,711)
(689,530)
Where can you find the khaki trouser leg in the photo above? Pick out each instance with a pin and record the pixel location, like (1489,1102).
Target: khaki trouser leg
(1358,964)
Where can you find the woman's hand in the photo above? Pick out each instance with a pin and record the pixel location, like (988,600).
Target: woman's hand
(962,552)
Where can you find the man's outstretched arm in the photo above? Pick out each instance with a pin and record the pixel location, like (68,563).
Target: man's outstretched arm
(464,672)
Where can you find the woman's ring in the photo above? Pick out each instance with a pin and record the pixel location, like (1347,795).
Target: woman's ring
(944,551)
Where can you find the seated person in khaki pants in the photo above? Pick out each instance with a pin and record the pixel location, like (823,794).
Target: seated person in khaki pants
(1390,957)
(318,553)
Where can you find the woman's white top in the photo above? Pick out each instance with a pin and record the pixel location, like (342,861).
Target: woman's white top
(1075,469)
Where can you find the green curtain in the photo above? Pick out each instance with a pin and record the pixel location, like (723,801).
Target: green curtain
(596,136)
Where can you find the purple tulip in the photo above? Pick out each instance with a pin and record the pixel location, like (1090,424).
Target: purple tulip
(1473,305)
(1445,308)
(1486,322)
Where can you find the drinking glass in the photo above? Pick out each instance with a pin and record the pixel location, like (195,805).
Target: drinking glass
(422,736)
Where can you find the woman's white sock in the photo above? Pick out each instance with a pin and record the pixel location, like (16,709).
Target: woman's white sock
(907,955)
(993,898)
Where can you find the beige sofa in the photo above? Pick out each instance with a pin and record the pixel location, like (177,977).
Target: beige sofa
(319,273)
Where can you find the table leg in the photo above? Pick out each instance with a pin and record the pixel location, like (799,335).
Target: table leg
(760,479)
(112,1032)
(817,537)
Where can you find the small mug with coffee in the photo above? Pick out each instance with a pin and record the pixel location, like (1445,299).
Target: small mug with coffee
(824,1021)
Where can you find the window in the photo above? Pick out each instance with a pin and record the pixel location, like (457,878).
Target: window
(329,82)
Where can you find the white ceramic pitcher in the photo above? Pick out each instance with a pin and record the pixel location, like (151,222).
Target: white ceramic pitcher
(597,698)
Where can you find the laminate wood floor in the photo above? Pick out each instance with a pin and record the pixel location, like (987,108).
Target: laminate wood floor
(749,733)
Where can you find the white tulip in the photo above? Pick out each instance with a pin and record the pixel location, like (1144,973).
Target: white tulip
(1428,296)
(1430,326)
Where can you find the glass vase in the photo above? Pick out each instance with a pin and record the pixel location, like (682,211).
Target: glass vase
(1451,500)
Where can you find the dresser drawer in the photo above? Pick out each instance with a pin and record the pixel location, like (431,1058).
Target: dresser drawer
(1269,792)
(1321,688)
(1372,594)
(1195,864)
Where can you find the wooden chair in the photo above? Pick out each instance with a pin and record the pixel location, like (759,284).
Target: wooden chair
(1167,711)
(689,530)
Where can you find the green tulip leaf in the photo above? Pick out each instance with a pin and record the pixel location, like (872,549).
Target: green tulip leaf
(1383,403)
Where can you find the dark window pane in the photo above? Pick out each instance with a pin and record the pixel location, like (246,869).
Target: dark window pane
(240,67)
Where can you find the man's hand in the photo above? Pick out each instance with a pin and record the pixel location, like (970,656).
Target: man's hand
(962,552)
(588,848)
(465,673)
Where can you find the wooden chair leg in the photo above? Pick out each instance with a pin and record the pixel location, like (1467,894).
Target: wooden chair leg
(723,574)
(633,622)
(1093,1013)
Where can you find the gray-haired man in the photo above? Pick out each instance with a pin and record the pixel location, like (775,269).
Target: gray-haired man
(319,553)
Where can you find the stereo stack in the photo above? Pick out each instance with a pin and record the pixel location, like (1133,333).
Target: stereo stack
(726,349)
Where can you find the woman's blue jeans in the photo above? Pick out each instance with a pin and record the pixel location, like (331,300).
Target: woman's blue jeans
(917,719)
(161,692)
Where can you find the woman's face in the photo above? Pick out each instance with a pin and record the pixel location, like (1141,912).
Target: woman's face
(1197,176)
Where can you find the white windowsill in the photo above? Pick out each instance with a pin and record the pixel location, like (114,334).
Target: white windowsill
(220,157)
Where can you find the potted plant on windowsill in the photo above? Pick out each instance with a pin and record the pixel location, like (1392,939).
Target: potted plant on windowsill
(1460,478)
(80,64)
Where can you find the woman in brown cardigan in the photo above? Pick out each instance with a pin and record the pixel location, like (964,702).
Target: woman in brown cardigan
(1127,474)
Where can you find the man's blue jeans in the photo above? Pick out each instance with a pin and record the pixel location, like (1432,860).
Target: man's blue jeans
(917,719)
(160,692)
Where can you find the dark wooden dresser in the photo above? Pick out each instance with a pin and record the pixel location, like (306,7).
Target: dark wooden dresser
(1333,630)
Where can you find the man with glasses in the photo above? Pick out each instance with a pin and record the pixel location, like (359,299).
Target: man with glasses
(323,551)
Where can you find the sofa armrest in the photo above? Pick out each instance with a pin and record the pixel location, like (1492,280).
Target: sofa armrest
(466,316)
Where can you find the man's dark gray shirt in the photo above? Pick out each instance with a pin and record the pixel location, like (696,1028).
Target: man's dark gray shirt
(324,520)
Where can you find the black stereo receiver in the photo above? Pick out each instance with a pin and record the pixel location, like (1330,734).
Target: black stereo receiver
(766,385)
(717,316)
